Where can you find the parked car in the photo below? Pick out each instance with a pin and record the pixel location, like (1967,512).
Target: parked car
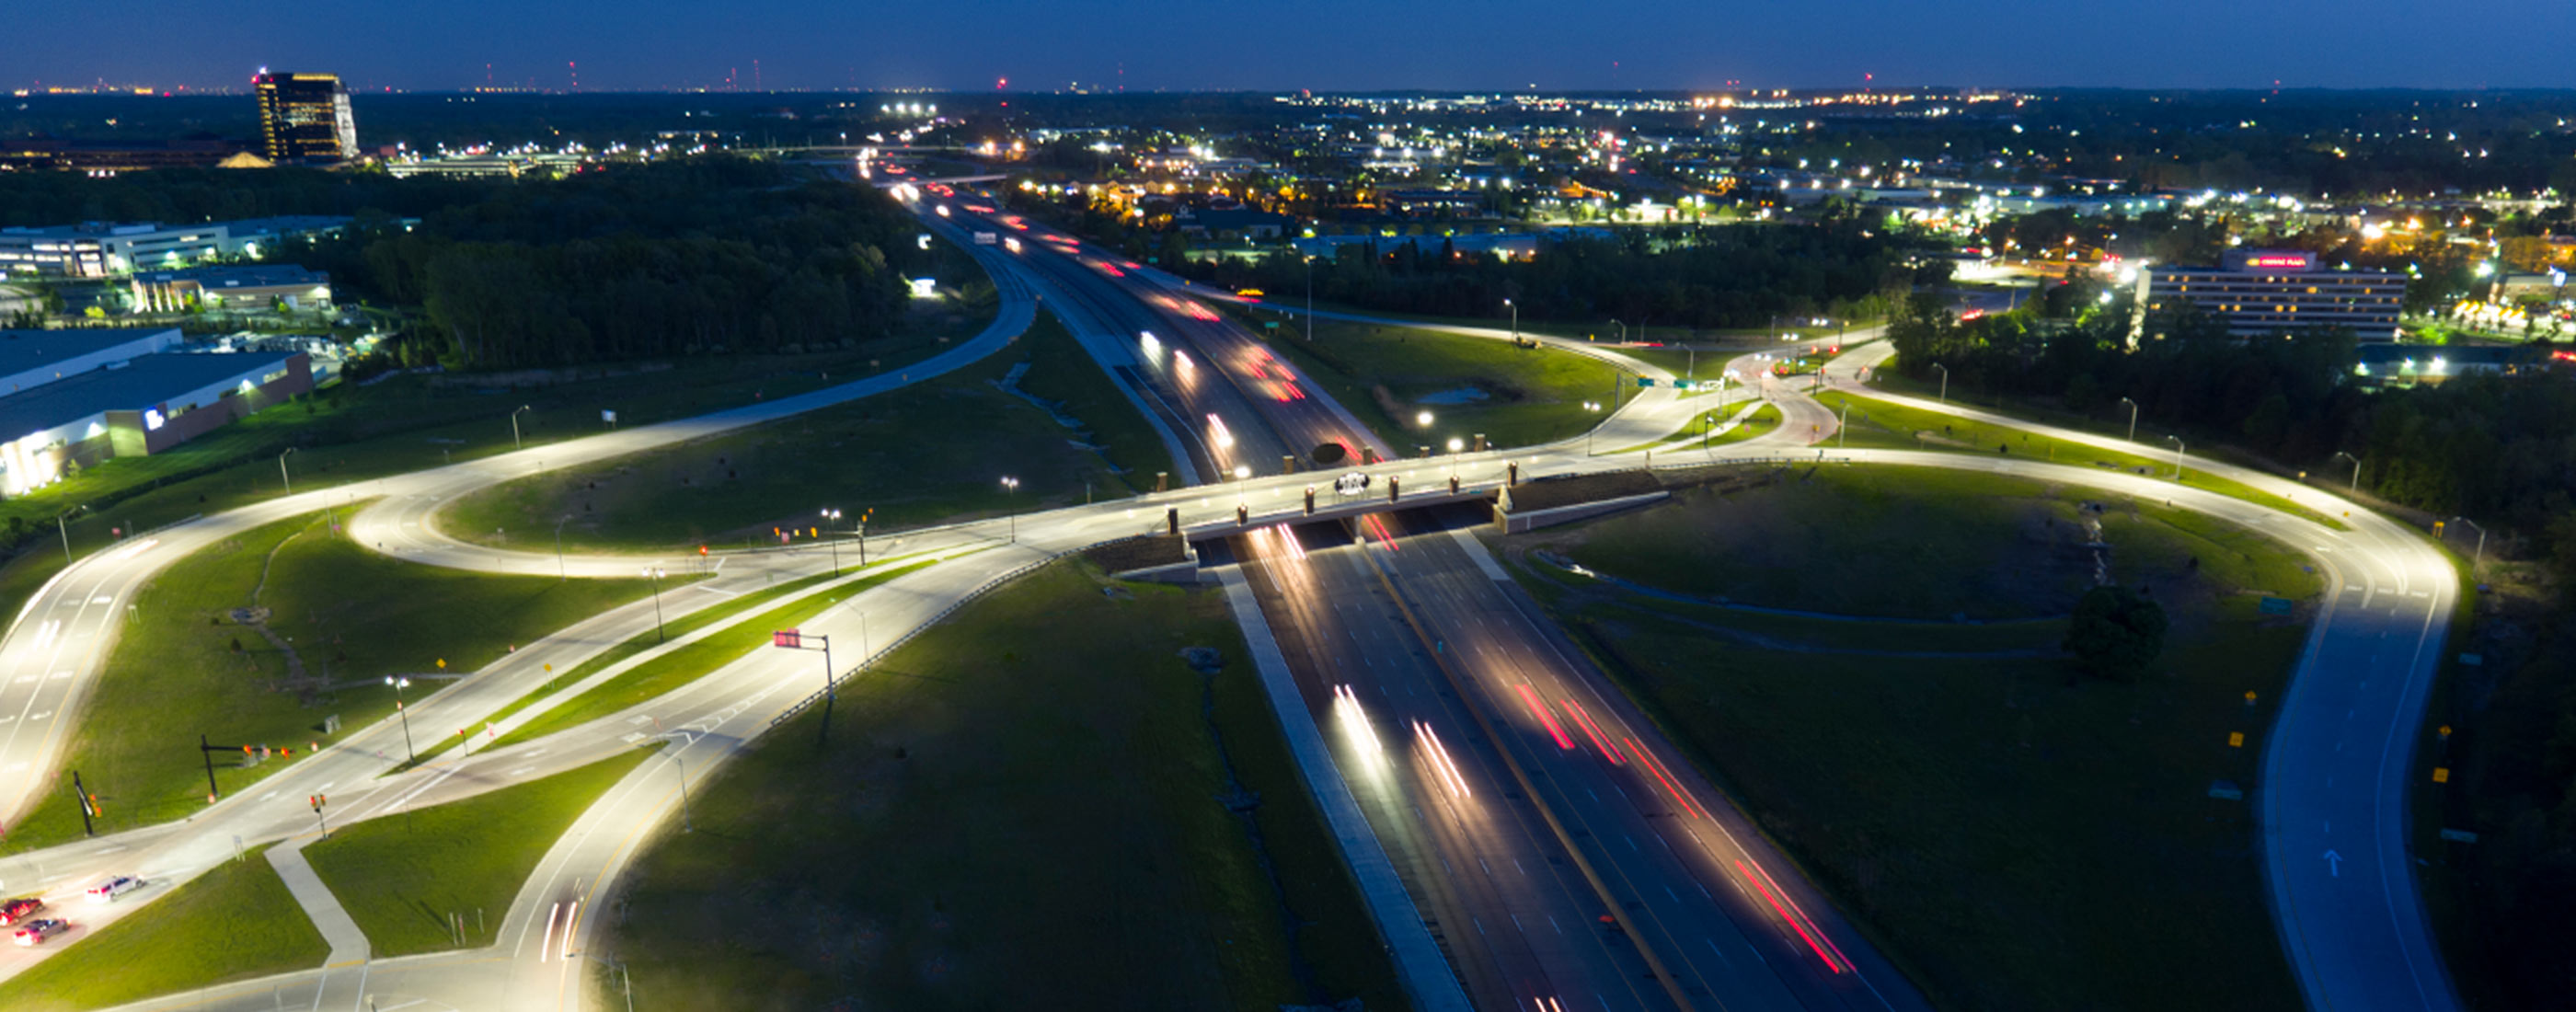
(37,931)
(113,888)
(18,910)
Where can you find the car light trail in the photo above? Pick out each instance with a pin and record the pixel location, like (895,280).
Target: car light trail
(546,942)
(1223,439)
(1439,755)
(1674,786)
(1355,723)
(1583,719)
(1539,709)
(1825,948)
(1385,538)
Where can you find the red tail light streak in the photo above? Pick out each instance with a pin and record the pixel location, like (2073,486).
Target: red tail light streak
(1539,709)
(1647,761)
(1385,538)
(1583,719)
(1796,917)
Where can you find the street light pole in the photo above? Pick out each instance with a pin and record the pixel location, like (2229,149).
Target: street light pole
(1945,381)
(287,479)
(514,427)
(2177,442)
(2481,555)
(655,574)
(685,826)
(1589,430)
(2356,469)
(2133,418)
(832,519)
(561,574)
(1310,298)
(1516,319)
(1623,330)
(400,684)
(1009,485)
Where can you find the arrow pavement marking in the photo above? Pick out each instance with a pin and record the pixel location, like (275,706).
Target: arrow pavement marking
(2334,864)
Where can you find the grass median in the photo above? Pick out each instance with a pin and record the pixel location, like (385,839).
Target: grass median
(924,454)
(692,661)
(1035,804)
(1875,423)
(259,639)
(1514,395)
(345,434)
(441,877)
(235,922)
(2015,835)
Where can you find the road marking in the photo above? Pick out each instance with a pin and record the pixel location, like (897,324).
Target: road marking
(102,599)
(33,717)
(633,738)
(62,674)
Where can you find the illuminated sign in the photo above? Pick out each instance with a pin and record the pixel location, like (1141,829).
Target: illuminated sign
(152,419)
(2297,261)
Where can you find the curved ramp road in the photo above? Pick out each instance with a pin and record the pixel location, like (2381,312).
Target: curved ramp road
(2342,752)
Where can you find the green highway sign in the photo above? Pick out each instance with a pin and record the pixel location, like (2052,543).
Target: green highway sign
(1645,381)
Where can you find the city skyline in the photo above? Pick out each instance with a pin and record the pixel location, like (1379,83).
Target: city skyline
(1147,46)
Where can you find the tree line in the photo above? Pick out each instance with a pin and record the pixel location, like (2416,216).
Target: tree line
(683,257)
(1692,276)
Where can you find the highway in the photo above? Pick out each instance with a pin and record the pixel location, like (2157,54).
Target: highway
(1528,801)
(2350,921)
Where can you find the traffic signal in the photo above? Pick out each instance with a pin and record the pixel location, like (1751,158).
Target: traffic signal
(702,551)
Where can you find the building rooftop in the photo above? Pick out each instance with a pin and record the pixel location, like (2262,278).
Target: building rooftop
(238,276)
(140,383)
(21,350)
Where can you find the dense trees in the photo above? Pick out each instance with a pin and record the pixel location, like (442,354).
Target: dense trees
(698,256)
(1722,276)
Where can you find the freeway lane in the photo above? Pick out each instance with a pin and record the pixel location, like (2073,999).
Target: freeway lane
(1516,922)
(1729,919)
(2341,758)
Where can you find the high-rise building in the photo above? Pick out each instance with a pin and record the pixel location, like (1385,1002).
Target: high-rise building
(305,118)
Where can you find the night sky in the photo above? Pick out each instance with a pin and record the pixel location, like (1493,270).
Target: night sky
(1327,45)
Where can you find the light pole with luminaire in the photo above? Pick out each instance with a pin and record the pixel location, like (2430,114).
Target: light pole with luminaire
(282,476)
(1593,406)
(400,684)
(654,573)
(832,519)
(1422,419)
(1623,331)
(1009,485)
(560,573)
(2481,555)
(2356,469)
(514,427)
(2177,442)
(1310,298)
(1516,319)
(1945,381)
(1455,445)
(2133,418)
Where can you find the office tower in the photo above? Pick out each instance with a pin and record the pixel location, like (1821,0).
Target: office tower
(305,118)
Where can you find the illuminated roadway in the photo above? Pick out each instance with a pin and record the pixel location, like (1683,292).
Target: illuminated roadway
(2374,631)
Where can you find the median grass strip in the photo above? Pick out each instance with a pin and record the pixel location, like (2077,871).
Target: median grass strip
(924,454)
(1035,804)
(410,879)
(235,922)
(321,622)
(639,643)
(2016,835)
(1513,395)
(1876,423)
(692,661)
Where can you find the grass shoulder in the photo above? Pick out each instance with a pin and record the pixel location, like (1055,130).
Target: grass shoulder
(1869,422)
(402,876)
(235,922)
(1037,803)
(1911,765)
(924,454)
(691,661)
(260,638)
(1516,395)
